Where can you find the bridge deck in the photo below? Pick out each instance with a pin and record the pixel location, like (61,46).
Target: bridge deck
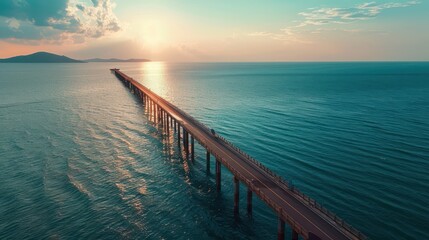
(304,215)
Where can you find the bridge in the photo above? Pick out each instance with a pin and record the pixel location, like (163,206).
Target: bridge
(305,216)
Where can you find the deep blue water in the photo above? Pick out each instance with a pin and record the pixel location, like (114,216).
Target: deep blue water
(79,158)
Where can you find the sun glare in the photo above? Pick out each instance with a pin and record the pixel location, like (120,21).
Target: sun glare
(153,35)
(154,76)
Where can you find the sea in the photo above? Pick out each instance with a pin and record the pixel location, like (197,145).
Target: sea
(80,159)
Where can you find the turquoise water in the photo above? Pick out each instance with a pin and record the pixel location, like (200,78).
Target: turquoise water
(79,158)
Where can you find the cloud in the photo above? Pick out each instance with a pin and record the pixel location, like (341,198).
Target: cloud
(363,11)
(26,32)
(350,31)
(285,35)
(13,23)
(97,19)
(323,16)
(35,11)
(57,20)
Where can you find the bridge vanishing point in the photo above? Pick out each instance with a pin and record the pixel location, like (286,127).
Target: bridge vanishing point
(304,215)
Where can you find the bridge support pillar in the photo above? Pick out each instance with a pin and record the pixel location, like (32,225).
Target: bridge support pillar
(155,113)
(208,161)
(192,148)
(236,196)
(168,124)
(148,106)
(249,201)
(218,175)
(184,138)
(162,117)
(294,235)
(150,109)
(281,229)
(178,136)
(185,142)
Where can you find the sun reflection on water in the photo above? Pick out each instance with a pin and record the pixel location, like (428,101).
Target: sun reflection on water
(154,76)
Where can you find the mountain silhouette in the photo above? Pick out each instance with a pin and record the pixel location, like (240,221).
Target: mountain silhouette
(40,57)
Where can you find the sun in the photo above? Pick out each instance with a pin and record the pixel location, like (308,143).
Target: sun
(153,35)
(153,41)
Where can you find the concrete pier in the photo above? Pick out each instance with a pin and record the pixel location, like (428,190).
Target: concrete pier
(192,148)
(218,175)
(249,201)
(236,195)
(208,161)
(294,235)
(281,229)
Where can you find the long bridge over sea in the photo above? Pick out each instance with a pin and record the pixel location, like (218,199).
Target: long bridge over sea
(305,216)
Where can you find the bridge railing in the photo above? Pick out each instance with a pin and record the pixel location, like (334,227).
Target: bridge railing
(283,183)
(306,199)
(294,225)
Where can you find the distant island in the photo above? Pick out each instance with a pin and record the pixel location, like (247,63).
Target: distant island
(116,60)
(45,57)
(40,57)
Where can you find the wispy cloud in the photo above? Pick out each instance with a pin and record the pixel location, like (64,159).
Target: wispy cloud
(317,17)
(285,35)
(13,24)
(56,20)
(351,31)
(363,11)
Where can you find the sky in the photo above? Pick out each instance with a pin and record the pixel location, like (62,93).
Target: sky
(221,30)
